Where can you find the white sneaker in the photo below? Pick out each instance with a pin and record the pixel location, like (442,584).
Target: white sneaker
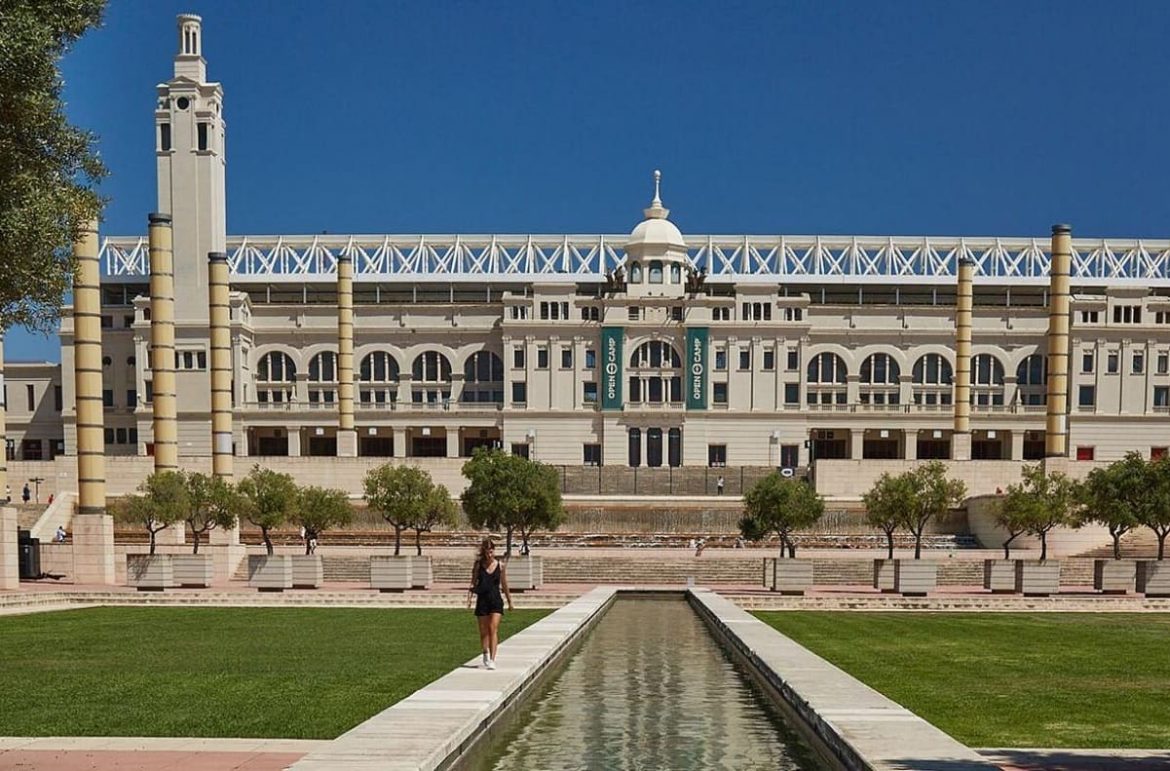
(486,662)
(491,664)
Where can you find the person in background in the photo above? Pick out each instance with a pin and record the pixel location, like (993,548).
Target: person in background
(60,535)
(488,578)
(26,494)
(719,485)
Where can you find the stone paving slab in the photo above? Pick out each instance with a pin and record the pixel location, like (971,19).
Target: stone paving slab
(113,760)
(861,726)
(423,730)
(1078,760)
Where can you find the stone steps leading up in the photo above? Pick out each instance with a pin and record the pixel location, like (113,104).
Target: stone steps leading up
(1136,544)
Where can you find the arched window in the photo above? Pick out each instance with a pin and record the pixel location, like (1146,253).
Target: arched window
(1032,380)
(655,272)
(675,273)
(879,380)
(323,368)
(276,367)
(662,385)
(635,272)
(483,377)
(432,378)
(986,380)
(826,368)
(378,375)
(932,378)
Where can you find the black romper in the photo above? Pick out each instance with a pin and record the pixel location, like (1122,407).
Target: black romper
(487,591)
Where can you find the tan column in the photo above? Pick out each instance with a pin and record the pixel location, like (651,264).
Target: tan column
(93,529)
(162,343)
(221,365)
(1056,426)
(346,433)
(961,431)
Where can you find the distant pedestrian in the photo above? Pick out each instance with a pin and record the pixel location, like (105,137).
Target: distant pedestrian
(489,584)
(719,485)
(26,494)
(699,549)
(691,544)
(60,535)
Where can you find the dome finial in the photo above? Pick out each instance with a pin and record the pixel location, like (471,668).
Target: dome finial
(656,211)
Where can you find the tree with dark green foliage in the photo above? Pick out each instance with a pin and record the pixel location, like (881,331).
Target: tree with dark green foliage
(214,504)
(1117,497)
(934,495)
(400,495)
(320,509)
(511,493)
(778,505)
(886,504)
(164,502)
(48,168)
(439,510)
(1156,515)
(1013,512)
(1045,501)
(272,500)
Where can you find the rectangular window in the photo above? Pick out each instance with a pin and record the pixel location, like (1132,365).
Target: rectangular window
(1164,363)
(107,322)
(149,391)
(591,454)
(589,393)
(769,359)
(1087,396)
(108,435)
(590,358)
(721,314)
(542,358)
(30,394)
(520,450)
(793,362)
(1085,453)
(792,393)
(131,398)
(127,322)
(1111,363)
(567,358)
(120,436)
(518,357)
(107,397)
(132,436)
(519,393)
(633,313)
(201,360)
(202,136)
(719,393)
(793,314)
(57,401)
(789,455)
(676,313)
(720,358)
(745,358)
(1087,361)
(544,311)
(1162,396)
(716,455)
(635,389)
(164,137)
(1139,363)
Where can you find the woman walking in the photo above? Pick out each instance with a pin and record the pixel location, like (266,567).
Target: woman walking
(488,577)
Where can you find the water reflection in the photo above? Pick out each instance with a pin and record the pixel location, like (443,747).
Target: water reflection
(650,688)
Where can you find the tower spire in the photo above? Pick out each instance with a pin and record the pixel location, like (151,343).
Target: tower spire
(656,211)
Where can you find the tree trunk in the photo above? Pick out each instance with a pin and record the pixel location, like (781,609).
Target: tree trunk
(267,541)
(1162,542)
(397,540)
(418,541)
(152,544)
(917,543)
(195,537)
(1116,545)
(1043,545)
(508,547)
(791,549)
(890,543)
(308,540)
(1007,545)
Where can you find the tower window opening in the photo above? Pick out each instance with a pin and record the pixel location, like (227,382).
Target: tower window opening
(202,136)
(164,136)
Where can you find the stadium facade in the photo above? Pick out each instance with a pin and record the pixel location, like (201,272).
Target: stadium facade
(650,349)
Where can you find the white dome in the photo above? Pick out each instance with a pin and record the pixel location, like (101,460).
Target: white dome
(656,232)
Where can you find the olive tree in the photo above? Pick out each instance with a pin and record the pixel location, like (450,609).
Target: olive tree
(214,504)
(320,509)
(272,500)
(781,506)
(1014,514)
(886,503)
(163,502)
(400,495)
(933,495)
(1117,497)
(1156,514)
(511,493)
(1046,501)
(439,510)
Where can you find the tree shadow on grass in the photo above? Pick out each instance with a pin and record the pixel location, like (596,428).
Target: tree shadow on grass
(1081,760)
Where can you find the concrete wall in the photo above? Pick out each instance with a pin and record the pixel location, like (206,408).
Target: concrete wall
(1062,542)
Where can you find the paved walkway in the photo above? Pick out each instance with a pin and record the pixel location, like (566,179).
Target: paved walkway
(83,753)
(1078,760)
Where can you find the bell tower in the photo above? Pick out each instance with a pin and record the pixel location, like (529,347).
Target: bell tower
(189,145)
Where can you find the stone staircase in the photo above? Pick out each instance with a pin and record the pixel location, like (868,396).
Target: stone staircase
(646,568)
(1136,544)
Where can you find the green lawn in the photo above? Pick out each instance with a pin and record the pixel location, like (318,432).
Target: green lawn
(307,673)
(1008,680)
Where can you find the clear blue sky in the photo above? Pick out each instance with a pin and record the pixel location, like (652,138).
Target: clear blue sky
(910,118)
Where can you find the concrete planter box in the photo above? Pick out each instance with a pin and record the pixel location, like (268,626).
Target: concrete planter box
(1114,576)
(1037,579)
(525,573)
(883,575)
(791,576)
(390,574)
(915,578)
(999,576)
(308,572)
(270,573)
(1153,577)
(422,572)
(148,573)
(193,570)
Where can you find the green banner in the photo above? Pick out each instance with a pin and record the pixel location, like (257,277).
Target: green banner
(696,358)
(611,367)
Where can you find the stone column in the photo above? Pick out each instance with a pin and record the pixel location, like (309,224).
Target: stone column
(347,444)
(162,357)
(227,552)
(857,443)
(452,442)
(910,444)
(1017,444)
(93,528)
(1056,425)
(294,441)
(400,440)
(961,434)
